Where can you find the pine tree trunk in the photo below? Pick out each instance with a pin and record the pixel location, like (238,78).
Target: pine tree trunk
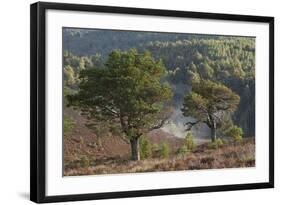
(135,153)
(213,133)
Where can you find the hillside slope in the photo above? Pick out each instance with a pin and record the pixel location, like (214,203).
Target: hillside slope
(83,142)
(83,155)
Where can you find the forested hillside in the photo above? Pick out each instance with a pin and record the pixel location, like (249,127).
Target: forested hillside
(229,60)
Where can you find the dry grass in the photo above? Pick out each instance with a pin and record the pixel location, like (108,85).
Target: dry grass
(228,156)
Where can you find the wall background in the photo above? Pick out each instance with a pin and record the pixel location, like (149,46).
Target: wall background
(14,100)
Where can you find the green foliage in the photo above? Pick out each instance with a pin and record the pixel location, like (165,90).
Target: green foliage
(225,123)
(145,148)
(155,149)
(188,146)
(68,124)
(128,89)
(84,162)
(235,133)
(69,76)
(228,60)
(206,99)
(217,143)
(183,151)
(205,71)
(189,142)
(164,151)
(238,139)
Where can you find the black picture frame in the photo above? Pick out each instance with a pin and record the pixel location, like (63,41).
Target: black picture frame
(38,101)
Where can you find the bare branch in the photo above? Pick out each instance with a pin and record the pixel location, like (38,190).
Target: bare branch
(111,111)
(160,124)
(191,124)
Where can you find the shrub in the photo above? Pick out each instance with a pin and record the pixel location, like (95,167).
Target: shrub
(216,144)
(145,148)
(155,148)
(189,143)
(235,133)
(188,146)
(219,142)
(84,161)
(238,139)
(68,124)
(164,151)
(183,150)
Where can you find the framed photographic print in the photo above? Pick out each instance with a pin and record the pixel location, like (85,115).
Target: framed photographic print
(129,102)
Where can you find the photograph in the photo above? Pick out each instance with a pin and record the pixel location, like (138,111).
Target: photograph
(144,101)
(135,102)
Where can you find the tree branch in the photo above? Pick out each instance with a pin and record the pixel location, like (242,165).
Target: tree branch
(111,111)
(191,124)
(124,126)
(160,124)
(223,108)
